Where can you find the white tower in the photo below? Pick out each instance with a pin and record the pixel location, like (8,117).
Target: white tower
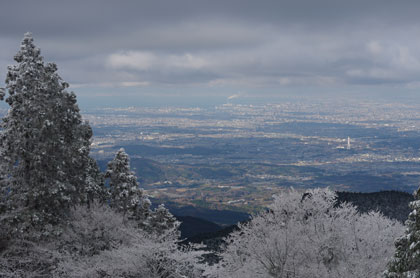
(348,143)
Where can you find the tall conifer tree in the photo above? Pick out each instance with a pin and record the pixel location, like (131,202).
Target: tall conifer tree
(126,196)
(44,142)
(95,184)
(161,221)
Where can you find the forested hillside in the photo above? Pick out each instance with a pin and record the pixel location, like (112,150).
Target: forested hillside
(393,204)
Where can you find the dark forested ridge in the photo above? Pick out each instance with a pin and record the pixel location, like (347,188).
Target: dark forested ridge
(221,217)
(393,204)
(192,226)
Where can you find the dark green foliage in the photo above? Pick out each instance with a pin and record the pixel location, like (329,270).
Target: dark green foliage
(406,261)
(95,184)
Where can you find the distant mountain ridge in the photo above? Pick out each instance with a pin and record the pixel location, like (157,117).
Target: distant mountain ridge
(219,217)
(193,226)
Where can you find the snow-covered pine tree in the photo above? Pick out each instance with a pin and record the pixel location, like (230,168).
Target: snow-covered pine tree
(161,221)
(125,194)
(406,261)
(95,184)
(44,143)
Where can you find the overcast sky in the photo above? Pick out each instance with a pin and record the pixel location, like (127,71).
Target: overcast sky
(227,48)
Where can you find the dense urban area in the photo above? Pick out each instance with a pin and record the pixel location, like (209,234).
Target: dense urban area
(239,155)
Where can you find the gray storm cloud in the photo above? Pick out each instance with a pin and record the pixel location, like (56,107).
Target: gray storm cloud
(231,43)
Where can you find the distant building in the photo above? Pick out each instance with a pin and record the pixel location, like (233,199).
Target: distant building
(348,143)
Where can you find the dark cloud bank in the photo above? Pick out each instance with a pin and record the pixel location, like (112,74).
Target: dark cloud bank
(230,45)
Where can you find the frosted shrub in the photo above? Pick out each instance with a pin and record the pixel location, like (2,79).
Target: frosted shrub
(308,236)
(94,229)
(100,242)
